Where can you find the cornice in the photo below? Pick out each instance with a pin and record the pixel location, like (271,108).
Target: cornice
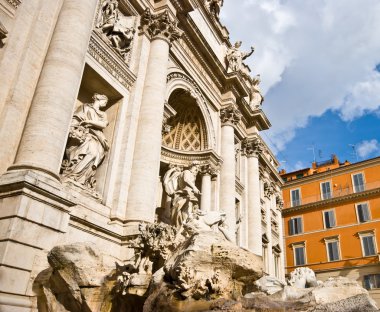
(111,61)
(334,172)
(184,158)
(14,3)
(340,199)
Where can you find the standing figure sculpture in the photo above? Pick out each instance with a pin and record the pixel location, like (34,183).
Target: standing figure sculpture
(180,185)
(112,24)
(255,98)
(215,6)
(87,144)
(235,57)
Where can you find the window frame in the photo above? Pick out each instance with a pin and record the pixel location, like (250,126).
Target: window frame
(302,226)
(357,212)
(300,197)
(324,219)
(294,247)
(376,277)
(353,181)
(334,239)
(370,233)
(321,189)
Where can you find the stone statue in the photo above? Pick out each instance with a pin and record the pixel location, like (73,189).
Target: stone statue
(112,23)
(215,6)
(235,57)
(255,98)
(303,278)
(87,144)
(180,185)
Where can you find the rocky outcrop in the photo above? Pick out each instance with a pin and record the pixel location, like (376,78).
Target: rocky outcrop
(184,270)
(203,267)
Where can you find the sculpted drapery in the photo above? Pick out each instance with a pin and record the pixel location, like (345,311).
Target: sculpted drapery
(87,144)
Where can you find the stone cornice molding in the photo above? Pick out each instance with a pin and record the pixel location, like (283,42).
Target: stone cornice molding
(341,199)
(110,60)
(160,26)
(253,147)
(183,158)
(230,116)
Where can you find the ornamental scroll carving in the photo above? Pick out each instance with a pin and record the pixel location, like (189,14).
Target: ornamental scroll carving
(230,115)
(116,27)
(160,26)
(252,147)
(87,145)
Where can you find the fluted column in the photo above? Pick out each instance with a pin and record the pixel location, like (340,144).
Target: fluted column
(253,148)
(207,172)
(45,133)
(146,158)
(229,117)
(280,206)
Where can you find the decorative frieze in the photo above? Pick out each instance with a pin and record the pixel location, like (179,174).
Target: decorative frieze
(230,115)
(160,26)
(102,54)
(252,147)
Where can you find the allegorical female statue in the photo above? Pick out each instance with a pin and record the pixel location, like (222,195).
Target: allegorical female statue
(87,144)
(256,98)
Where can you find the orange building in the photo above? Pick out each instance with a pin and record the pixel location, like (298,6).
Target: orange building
(332,220)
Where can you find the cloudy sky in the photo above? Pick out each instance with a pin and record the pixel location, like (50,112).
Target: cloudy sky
(319,62)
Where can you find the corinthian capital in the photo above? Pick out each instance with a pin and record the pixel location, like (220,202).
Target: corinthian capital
(230,115)
(253,147)
(160,26)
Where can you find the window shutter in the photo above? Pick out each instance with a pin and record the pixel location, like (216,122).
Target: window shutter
(360,213)
(331,218)
(365,212)
(291,226)
(299,225)
(368,245)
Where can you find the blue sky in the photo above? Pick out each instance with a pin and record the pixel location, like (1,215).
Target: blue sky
(319,64)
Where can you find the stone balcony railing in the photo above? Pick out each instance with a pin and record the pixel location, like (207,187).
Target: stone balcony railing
(337,192)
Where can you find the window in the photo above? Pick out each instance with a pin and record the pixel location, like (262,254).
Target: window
(332,247)
(329,219)
(368,244)
(326,190)
(372,281)
(358,182)
(296,197)
(295,226)
(299,254)
(362,211)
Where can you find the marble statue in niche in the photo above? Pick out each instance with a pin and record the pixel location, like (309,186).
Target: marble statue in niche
(180,185)
(185,212)
(87,144)
(256,98)
(235,57)
(114,25)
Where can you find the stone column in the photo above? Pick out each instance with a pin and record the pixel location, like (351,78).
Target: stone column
(253,148)
(230,116)
(45,133)
(280,206)
(146,158)
(207,172)
(268,193)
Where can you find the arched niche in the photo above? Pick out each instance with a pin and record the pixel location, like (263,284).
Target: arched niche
(188,131)
(179,83)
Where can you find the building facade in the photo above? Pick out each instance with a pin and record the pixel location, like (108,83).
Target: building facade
(332,220)
(102,103)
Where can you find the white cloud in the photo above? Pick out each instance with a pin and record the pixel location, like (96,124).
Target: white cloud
(366,148)
(312,56)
